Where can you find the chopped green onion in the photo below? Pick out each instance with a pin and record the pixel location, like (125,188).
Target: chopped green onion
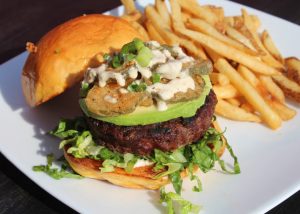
(106,57)
(144,56)
(137,87)
(155,78)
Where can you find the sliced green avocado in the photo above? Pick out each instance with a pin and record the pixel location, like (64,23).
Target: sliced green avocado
(150,115)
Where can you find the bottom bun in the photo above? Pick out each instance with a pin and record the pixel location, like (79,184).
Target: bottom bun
(139,178)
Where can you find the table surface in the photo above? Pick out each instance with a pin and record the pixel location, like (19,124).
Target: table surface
(22,21)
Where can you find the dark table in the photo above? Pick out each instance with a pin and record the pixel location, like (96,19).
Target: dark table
(22,21)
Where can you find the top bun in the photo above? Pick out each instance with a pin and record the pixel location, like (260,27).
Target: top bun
(64,53)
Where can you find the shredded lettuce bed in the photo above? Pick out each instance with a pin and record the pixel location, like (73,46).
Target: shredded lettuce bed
(201,154)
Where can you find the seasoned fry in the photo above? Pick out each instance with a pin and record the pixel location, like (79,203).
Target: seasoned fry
(230,52)
(153,34)
(293,69)
(129,6)
(272,88)
(225,91)
(163,11)
(270,46)
(252,96)
(185,16)
(235,34)
(192,49)
(233,112)
(204,27)
(218,78)
(160,26)
(140,29)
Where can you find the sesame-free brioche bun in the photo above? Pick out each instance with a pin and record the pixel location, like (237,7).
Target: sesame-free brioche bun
(63,54)
(139,178)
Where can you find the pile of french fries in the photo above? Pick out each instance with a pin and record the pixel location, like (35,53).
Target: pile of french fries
(251,78)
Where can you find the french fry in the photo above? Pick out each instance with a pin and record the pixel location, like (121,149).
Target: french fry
(267,57)
(247,107)
(201,12)
(160,26)
(185,16)
(218,78)
(129,6)
(248,75)
(177,21)
(233,112)
(238,22)
(153,34)
(293,69)
(290,88)
(282,110)
(252,96)
(234,101)
(270,46)
(235,34)
(192,49)
(132,17)
(206,28)
(212,54)
(225,91)
(163,11)
(218,11)
(230,52)
(272,88)
(141,30)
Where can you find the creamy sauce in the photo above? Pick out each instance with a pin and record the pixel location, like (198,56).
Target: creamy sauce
(133,72)
(110,99)
(167,91)
(161,105)
(142,162)
(170,70)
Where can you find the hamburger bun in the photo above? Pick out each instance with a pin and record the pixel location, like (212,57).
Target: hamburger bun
(63,54)
(139,178)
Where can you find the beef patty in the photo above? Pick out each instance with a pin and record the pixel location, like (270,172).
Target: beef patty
(165,136)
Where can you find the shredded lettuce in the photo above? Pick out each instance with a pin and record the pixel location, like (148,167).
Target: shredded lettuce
(174,201)
(64,172)
(202,154)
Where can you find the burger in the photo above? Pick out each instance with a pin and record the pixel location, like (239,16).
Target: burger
(147,108)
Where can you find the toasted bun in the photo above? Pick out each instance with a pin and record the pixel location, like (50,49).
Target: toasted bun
(139,178)
(65,52)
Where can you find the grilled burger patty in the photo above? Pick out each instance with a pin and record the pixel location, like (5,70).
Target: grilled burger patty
(165,136)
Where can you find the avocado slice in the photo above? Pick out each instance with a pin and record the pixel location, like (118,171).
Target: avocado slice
(149,115)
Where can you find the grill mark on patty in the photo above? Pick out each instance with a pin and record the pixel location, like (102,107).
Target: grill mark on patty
(166,136)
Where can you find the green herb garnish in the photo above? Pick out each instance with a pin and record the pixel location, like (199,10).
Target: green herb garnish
(155,78)
(134,87)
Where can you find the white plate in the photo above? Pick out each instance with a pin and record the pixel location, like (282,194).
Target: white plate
(269,159)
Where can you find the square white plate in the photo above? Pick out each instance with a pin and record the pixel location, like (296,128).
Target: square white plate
(269,159)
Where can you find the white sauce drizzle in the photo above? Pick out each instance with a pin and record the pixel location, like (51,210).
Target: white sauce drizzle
(170,69)
(133,72)
(167,91)
(110,99)
(142,162)
(161,105)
